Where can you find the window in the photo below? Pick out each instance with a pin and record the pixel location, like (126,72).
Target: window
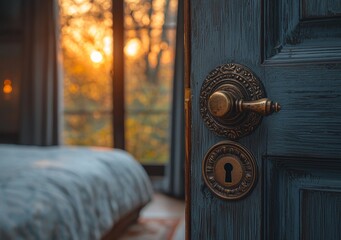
(86,36)
(149,27)
(149,48)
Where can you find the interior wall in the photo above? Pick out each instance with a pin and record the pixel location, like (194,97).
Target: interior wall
(11,52)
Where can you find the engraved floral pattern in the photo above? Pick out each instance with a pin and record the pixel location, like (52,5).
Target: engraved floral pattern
(248,164)
(242,77)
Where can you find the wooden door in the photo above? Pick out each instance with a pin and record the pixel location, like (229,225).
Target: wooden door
(294,47)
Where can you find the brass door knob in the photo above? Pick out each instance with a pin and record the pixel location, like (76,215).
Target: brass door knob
(233,101)
(223,104)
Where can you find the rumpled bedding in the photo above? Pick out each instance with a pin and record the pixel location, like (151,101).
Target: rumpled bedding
(67,192)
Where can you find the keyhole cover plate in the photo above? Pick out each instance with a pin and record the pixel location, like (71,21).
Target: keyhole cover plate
(243,174)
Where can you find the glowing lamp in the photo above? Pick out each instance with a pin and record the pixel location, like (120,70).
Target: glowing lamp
(7,89)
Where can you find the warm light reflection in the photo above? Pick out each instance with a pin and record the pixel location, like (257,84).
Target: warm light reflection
(96,56)
(167,57)
(152,58)
(86,34)
(132,47)
(164,45)
(7,89)
(150,31)
(71,10)
(93,30)
(8,82)
(87,41)
(145,20)
(107,45)
(132,1)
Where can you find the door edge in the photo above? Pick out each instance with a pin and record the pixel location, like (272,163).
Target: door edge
(187,102)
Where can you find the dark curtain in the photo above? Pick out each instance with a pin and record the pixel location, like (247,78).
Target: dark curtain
(41,77)
(175,170)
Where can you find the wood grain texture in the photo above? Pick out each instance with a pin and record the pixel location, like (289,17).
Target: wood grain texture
(320,214)
(303,198)
(303,138)
(290,38)
(280,19)
(222,32)
(188,109)
(309,123)
(320,9)
(307,52)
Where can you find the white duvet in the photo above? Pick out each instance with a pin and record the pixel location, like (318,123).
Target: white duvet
(67,192)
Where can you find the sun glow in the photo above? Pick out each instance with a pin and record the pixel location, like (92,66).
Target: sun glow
(96,56)
(132,47)
(107,45)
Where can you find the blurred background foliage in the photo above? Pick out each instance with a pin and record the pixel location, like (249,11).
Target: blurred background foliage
(87,39)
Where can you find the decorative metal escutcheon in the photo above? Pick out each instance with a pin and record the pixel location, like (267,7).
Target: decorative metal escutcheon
(229,170)
(233,101)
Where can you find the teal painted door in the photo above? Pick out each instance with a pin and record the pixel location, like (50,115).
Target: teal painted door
(294,47)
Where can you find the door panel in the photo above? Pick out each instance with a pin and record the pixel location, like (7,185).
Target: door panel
(309,122)
(314,217)
(320,9)
(303,197)
(295,49)
(301,31)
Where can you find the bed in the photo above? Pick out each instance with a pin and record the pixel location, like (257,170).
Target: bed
(69,192)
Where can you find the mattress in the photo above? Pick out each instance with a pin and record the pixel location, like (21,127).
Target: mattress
(67,192)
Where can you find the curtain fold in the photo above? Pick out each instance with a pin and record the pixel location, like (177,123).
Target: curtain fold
(175,170)
(41,94)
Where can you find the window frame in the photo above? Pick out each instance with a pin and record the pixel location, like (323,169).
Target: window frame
(118,118)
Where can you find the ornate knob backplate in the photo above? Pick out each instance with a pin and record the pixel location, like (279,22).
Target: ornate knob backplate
(233,101)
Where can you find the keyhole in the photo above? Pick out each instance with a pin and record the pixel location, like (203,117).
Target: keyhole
(228,170)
